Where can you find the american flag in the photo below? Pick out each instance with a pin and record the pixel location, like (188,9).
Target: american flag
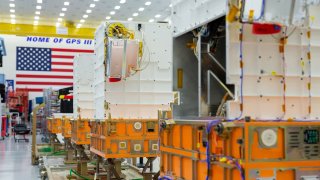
(40,68)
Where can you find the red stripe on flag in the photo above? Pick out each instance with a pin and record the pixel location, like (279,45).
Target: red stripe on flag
(45,83)
(30,89)
(72,50)
(62,63)
(43,76)
(62,56)
(62,70)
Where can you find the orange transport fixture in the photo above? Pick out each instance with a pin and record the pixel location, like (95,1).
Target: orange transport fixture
(239,150)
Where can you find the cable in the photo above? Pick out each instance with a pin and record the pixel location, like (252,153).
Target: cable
(262,10)
(257,19)
(208,160)
(241,74)
(282,53)
(76,173)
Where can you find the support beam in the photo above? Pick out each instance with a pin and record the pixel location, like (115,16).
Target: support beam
(48,31)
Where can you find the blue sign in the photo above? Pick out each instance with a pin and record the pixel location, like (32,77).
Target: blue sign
(59,40)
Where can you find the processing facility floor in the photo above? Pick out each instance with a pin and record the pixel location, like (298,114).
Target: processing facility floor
(15,160)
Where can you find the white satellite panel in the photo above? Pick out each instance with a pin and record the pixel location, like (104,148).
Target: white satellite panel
(83,86)
(141,95)
(276,85)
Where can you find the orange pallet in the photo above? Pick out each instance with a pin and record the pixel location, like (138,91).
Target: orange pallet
(124,138)
(236,150)
(54,125)
(80,131)
(49,125)
(66,127)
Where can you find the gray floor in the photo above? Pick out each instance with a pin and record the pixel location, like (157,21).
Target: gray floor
(15,160)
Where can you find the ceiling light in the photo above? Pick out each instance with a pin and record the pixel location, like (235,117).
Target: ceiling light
(141,9)
(11,0)
(108,17)
(82,20)
(148,3)
(11,5)
(157,16)
(59,19)
(89,11)
(112,12)
(38,12)
(39,1)
(92,5)
(35,23)
(135,14)
(57,24)
(64,9)
(66,3)
(79,25)
(117,7)
(151,20)
(170,5)
(85,16)
(12,10)
(122,1)
(130,19)
(95,0)
(61,14)
(12,15)
(13,21)
(38,7)
(36,17)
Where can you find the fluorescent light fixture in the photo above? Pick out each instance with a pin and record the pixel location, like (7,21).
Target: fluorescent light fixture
(12,5)
(88,10)
(151,20)
(12,15)
(170,5)
(141,9)
(11,0)
(59,19)
(135,14)
(37,12)
(36,17)
(64,9)
(85,16)
(148,3)
(13,21)
(82,20)
(61,14)
(57,24)
(130,19)
(92,5)
(122,1)
(112,12)
(39,1)
(66,3)
(157,16)
(117,7)
(95,0)
(12,10)
(108,17)
(38,7)
(35,23)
